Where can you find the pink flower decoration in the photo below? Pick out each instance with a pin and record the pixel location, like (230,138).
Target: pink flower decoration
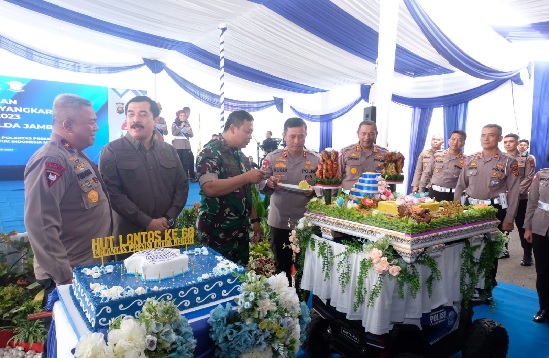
(394,270)
(384,263)
(375,255)
(378,268)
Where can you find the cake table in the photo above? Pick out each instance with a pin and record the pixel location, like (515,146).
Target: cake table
(70,327)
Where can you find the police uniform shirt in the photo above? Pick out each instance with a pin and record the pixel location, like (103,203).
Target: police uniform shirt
(142,184)
(527,170)
(288,207)
(181,135)
(422,163)
(485,177)
(443,169)
(353,161)
(66,206)
(537,219)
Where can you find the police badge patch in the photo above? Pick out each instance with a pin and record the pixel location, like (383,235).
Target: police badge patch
(119,107)
(53,172)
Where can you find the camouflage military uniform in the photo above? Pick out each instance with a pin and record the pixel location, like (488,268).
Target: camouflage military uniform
(223,221)
(422,163)
(353,161)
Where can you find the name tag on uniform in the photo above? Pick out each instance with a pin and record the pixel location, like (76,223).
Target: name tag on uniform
(503,200)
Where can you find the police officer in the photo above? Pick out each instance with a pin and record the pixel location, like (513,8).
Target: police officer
(536,223)
(290,165)
(423,162)
(225,179)
(444,168)
(66,205)
(527,170)
(365,156)
(491,177)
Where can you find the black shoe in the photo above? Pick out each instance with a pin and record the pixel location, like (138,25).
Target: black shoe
(505,255)
(526,261)
(541,316)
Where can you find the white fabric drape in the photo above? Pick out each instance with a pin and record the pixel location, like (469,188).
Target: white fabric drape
(388,308)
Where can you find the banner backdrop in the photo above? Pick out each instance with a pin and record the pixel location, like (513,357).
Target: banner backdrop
(26,115)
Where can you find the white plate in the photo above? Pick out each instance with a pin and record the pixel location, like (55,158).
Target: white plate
(294,188)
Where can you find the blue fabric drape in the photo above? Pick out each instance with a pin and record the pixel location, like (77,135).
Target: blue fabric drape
(154,65)
(325,135)
(328,117)
(539,140)
(331,23)
(421,119)
(450,99)
(455,117)
(447,49)
(364,96)
(57,62)
(185,48)
(213,99)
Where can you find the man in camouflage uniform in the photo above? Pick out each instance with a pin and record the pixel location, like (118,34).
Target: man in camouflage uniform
(289,166)
(365,156)
(444,168)
(491,177)
(225,179)
(423,162)
(527,170)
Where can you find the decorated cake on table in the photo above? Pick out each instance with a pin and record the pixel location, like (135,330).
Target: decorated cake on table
(367,185)
(157,263)
(195,279)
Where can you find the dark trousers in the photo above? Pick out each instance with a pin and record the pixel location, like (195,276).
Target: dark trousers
(540,246)
(519,221)
(48,285)
(439,196)
(500,216)
(187,160)
(283,255)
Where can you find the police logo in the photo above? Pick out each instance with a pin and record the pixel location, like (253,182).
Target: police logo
(15,86)
(93,196)
(79,166)
(354,170)
(119,107)
(309,177)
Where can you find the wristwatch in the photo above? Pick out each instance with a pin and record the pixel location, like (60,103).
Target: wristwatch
(171,221)
(255,220)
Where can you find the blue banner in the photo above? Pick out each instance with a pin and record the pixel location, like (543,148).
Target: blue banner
(26,116)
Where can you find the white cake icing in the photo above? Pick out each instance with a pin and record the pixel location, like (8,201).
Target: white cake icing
(157,263)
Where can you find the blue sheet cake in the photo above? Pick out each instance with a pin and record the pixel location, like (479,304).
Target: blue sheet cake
(198,279)
(366,186)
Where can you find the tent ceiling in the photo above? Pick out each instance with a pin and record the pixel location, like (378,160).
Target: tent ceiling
(312,44)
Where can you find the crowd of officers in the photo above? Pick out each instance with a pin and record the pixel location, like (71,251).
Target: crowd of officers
(142,184)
